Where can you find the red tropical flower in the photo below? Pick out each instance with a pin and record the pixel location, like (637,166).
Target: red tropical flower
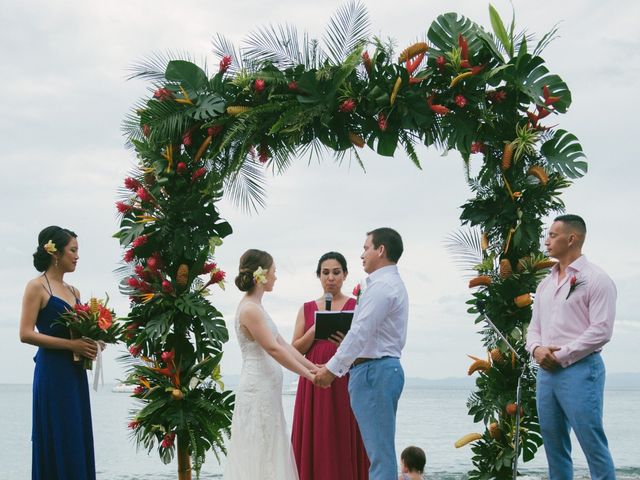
(143,194)
(293,85)
(168,440)
(166,286)
(441,62)
(105,319)
(129,255)
(168,356)
(215,130)
(135,351)
(263,154)
(259,85)
(146,130)
(132,184)
(181,167)
(477,147)
(382,122)
(198,173)
(347,106)
(497,96)
(186,139)
(133,424)
(123,207)
(208,267)
(217,276)
(225,63)
(461,101)
(139,241)
(162,94)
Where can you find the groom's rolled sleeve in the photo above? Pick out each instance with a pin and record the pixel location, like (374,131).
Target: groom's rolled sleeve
(372,309)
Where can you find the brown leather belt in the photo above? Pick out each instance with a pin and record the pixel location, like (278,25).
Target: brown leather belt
(361,360)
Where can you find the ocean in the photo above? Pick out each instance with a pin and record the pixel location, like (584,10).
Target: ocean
(432,417)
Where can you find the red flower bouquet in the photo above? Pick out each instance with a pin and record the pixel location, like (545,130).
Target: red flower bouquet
(93,320)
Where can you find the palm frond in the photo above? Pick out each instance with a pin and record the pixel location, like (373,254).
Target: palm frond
(348,28)
(246,187)
(223,46)
(277,45)
(313,55)
(153,67)
(464,246)
(548,37)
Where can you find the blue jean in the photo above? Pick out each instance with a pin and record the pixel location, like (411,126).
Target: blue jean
(374,390)
(572,397)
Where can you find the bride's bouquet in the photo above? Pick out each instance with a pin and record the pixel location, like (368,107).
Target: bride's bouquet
(93,320)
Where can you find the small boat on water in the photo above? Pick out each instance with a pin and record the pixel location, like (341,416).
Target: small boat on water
(122,388)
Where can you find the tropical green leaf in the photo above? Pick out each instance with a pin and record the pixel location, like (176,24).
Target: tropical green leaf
(562,153)
(499,30)
(188,74)
(444,31)
(532,75)
(208,107)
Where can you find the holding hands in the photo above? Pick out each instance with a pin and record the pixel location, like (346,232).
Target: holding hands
(324,378)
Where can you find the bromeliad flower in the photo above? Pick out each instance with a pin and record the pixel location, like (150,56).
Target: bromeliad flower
(573,284)
(260,276)
(50,247)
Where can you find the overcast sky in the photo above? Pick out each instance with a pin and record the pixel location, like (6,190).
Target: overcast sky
(64,67)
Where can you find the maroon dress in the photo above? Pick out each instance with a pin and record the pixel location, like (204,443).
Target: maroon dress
(325,436)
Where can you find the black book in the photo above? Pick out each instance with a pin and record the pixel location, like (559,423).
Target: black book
(330,322)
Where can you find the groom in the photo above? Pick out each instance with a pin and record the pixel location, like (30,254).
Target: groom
(371,352)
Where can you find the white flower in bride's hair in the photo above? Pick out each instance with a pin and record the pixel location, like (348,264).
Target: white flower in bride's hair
(260,275)
(50,247)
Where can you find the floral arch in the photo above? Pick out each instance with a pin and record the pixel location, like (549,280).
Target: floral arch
(200,135)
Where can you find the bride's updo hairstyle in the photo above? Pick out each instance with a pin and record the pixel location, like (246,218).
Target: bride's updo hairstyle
(249,263)
(60,237)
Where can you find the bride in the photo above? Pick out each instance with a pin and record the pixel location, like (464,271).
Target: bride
(260,446)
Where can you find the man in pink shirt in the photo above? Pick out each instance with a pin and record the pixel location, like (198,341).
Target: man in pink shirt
(572,319)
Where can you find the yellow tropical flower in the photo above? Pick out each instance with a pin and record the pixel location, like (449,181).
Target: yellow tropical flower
(260,275)
(50,247)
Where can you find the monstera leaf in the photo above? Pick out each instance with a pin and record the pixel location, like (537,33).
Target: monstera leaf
(209,106)
(444,32)
(531,75)
(562,153)
(189,75)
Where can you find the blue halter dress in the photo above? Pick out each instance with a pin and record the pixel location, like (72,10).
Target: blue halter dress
(62,435)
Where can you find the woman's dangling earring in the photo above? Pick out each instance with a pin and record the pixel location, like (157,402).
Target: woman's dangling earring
(56,262)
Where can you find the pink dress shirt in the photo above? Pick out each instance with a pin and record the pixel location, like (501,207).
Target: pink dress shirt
(580,324)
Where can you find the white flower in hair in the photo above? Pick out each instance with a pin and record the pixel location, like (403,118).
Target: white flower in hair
(50,247)
(260,275)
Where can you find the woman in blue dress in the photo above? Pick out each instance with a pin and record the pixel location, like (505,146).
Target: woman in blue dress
(62,436)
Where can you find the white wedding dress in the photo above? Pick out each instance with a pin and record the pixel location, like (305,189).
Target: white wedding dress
(260,448)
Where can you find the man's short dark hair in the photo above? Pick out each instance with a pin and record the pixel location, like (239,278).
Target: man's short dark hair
(574,221)
(414,459)
(391,240)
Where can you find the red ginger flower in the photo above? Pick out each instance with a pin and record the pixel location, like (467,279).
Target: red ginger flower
(259,85)
(477,147)
(382,122)
(139,389)
(166,286)
(135,351)
(139,241)
(168,356)
(464,47)
(461,101)
(129,255)
(168,440)
(132,184)
(218,276)
(215,130)
(441,62)
(133,424)
(198,173)
(208,267)
(123,207)
(293,85)
(133,282)
(181,168)
(186,139)
(225,63)
(497,96)
(152,263)
(163,94)
(146,130)
(366,60)
(143,194)
(82,307)
(263,154)
(347,106)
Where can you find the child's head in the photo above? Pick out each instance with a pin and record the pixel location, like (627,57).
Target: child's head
(413,459)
